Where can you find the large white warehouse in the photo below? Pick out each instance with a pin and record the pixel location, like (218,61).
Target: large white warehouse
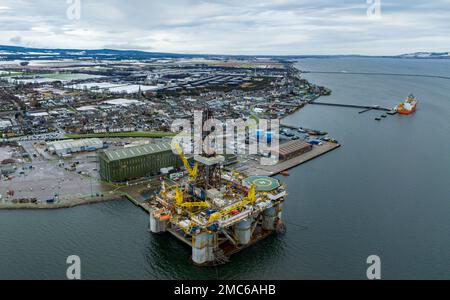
(72,146)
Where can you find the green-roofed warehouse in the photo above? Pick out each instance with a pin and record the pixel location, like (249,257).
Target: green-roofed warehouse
(120,165)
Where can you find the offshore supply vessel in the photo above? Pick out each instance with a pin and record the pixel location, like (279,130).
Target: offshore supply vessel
(408,106)
(217,212)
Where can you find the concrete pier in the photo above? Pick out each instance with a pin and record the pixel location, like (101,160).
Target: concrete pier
(373,107)
(255,168)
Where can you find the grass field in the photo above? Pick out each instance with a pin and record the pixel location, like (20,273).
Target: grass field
(120,134)
(68,76)
(9,74)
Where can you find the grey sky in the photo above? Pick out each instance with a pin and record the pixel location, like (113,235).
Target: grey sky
(230,26)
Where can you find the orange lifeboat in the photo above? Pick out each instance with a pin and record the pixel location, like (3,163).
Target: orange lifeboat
(164,218)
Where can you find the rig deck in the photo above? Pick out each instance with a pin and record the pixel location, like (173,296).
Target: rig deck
(215,212)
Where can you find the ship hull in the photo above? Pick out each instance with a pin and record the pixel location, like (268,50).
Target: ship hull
(407,107)
(407,112)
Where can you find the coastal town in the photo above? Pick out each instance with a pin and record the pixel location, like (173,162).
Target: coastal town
(223,148)
(61,119)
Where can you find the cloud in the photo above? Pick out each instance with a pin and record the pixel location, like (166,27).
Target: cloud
(16,40)
(230,26)
(127,46)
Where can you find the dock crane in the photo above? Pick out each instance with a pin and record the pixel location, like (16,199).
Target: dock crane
(193,172)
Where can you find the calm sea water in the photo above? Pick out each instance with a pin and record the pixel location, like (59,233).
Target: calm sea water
(385,192)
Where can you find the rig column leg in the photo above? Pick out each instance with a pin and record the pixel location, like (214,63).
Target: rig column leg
(203,248)
(157,226)
(268,221)
(279,209)
(243,231)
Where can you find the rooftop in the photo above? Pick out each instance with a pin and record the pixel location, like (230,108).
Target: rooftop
(124,153)
(123,102)
(5,123)
(292,146)
(210,161)
(67,144)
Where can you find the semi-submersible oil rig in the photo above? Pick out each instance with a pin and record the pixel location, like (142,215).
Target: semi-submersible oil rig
(217,212)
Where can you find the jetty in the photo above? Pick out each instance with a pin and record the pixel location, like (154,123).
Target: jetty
(364,107)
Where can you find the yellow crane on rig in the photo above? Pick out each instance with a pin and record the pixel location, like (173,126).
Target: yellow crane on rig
(193,172)
(179,199)
(250,199)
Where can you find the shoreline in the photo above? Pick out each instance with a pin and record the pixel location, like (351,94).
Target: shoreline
(70,203)
(74,202)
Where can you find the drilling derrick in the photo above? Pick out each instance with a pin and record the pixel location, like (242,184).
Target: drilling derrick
(210,163)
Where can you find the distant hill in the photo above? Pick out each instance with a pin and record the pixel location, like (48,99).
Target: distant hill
(24,53)
(13,52)
(426,55)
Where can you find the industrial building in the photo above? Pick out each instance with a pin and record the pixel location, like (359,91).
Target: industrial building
(7,170)
(293,149)
(5,124)
(65,147)
(120,165)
